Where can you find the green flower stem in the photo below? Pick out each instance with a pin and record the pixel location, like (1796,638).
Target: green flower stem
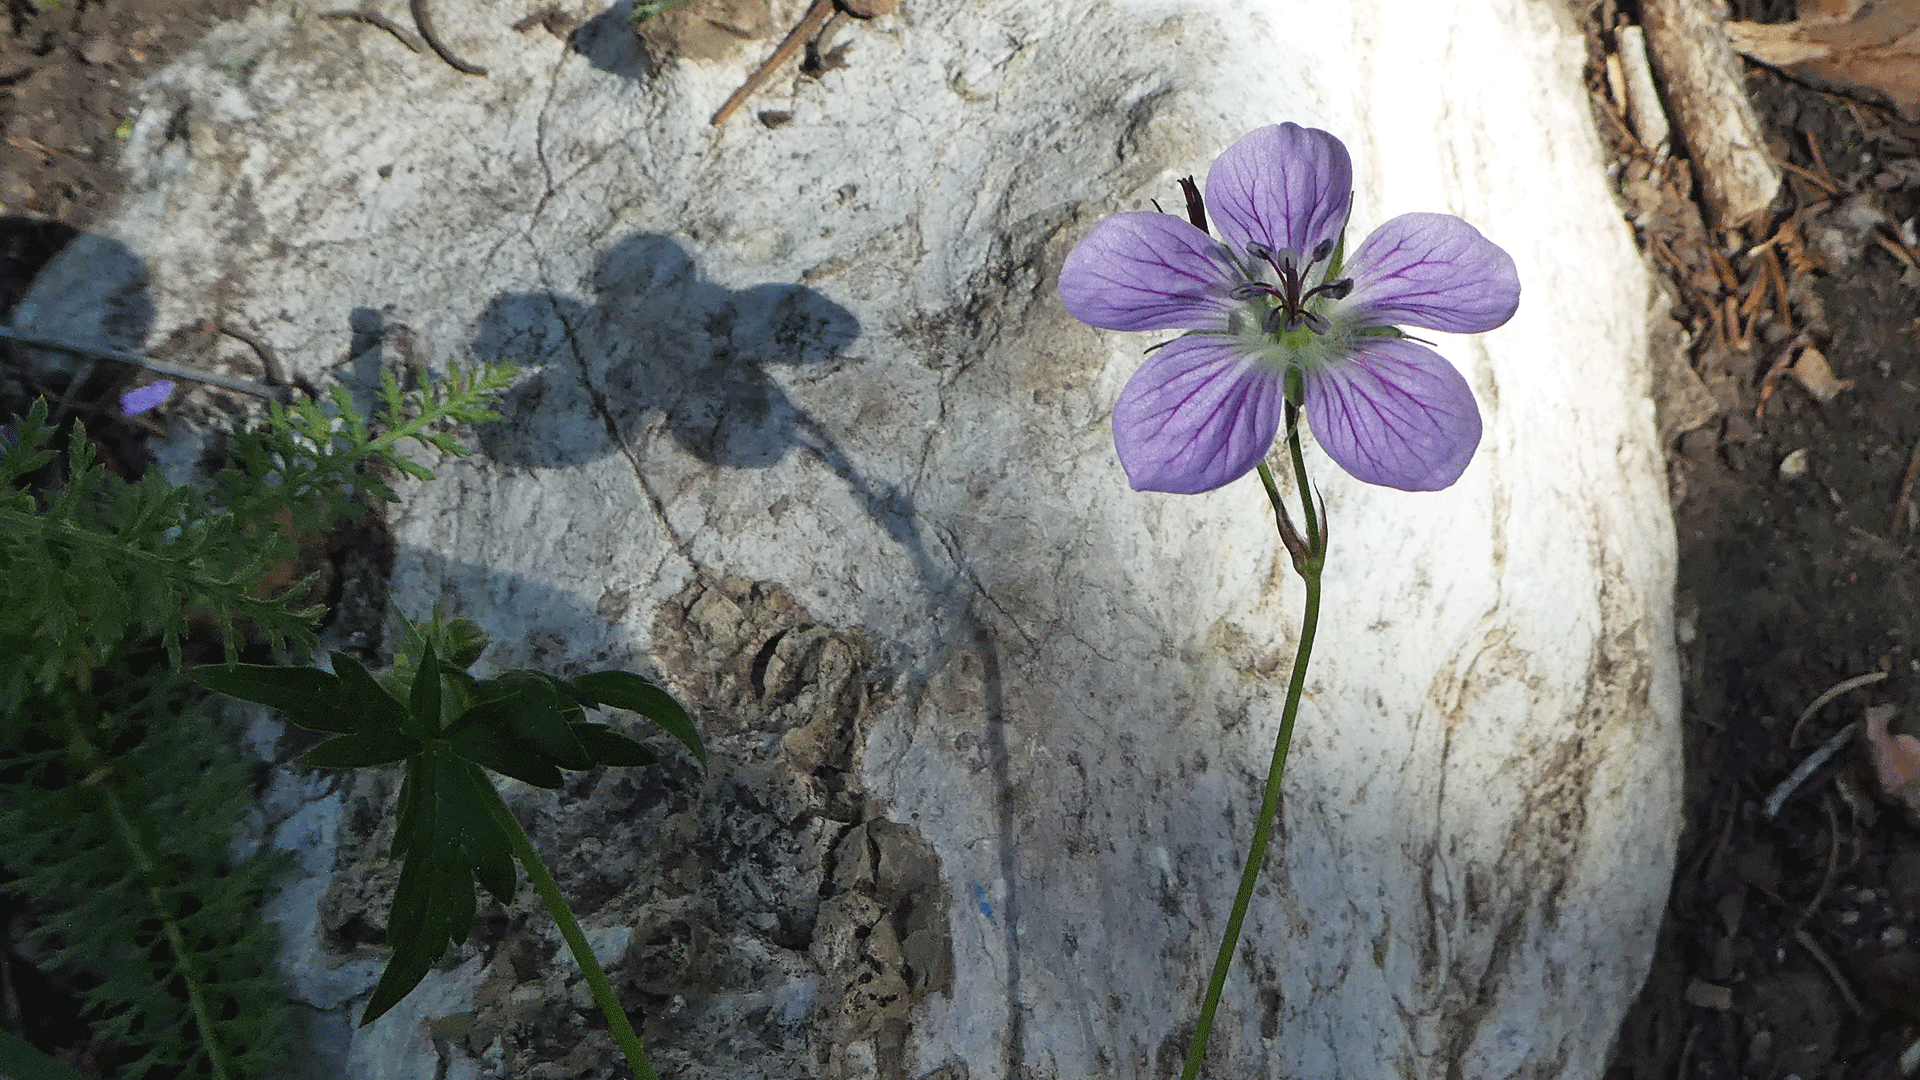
(1309,569)
(549,891)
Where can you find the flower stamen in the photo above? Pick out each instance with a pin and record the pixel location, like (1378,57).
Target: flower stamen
(1291,312)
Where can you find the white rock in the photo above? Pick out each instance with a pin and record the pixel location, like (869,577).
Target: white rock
(832,358)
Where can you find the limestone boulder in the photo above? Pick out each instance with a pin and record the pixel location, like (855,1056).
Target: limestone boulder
(802,429)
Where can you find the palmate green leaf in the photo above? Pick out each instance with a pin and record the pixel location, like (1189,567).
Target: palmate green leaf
(608,747)
(532,708)
(424,700)
(447,840)
(483,744)
(362,750)
(625,690)
(311,698)
(346,701)
(382,710)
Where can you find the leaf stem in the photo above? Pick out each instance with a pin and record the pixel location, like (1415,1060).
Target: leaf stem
(549,891)
(1309,569)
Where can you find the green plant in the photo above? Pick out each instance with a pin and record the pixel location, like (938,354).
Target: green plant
(94,565)
(127,860)
(118,783)
(453,828)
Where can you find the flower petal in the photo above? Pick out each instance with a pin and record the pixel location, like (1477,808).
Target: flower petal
(1285,186)
(1396,414)
(1197,415)
(1431,270)
(150,396)
(1144,271)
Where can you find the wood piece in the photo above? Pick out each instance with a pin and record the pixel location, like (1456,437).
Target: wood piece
(1707,99)
(810,24)
(1643,107)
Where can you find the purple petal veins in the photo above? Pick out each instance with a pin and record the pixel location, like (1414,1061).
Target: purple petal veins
(1284,186)
(1195,416)
(1145,271)
(1431,270)
(1395,414)
(1205,408)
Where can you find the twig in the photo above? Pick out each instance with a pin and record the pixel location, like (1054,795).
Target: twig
(1813,147)
(816,17)
(276,375)
(1833,865)
(1808,176)
(1785,789)
(424,20)
(1834,691)
(158,367)
(374,18)
(1833,970)
(1770,263)
(1897,250)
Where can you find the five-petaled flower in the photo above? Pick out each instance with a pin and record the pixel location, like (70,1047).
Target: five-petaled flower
(1273,296)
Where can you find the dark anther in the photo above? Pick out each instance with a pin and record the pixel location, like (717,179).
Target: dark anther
(1196,206)
(1290,312)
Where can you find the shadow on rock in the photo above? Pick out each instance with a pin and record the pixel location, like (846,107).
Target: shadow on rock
(608,42)
(656,340)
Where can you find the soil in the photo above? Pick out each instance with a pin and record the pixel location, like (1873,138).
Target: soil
(1792,943)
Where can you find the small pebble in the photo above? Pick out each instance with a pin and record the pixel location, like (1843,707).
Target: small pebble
(1794,465)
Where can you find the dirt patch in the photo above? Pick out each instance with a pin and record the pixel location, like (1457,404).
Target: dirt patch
(68,72)
(1786,950)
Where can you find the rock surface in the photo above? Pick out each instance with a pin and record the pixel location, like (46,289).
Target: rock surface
(803,428)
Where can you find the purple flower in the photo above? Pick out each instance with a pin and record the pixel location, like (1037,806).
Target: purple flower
(151,396)
(1273,296)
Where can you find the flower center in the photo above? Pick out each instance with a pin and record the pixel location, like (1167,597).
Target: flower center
(1291,312)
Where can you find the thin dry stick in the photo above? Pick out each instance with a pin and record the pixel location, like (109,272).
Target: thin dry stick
(269,362)
(374,18)
(1784,791)
(158,367)
(1770,262)
(816,18)
(1833,970)
(424,19)
(1834,691)
(1833,865)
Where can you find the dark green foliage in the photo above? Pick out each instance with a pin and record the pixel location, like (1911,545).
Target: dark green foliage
(523,724)
(99,563)
(115,809)
(19,1060)
(118,784)
(447,839)
(625,690)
